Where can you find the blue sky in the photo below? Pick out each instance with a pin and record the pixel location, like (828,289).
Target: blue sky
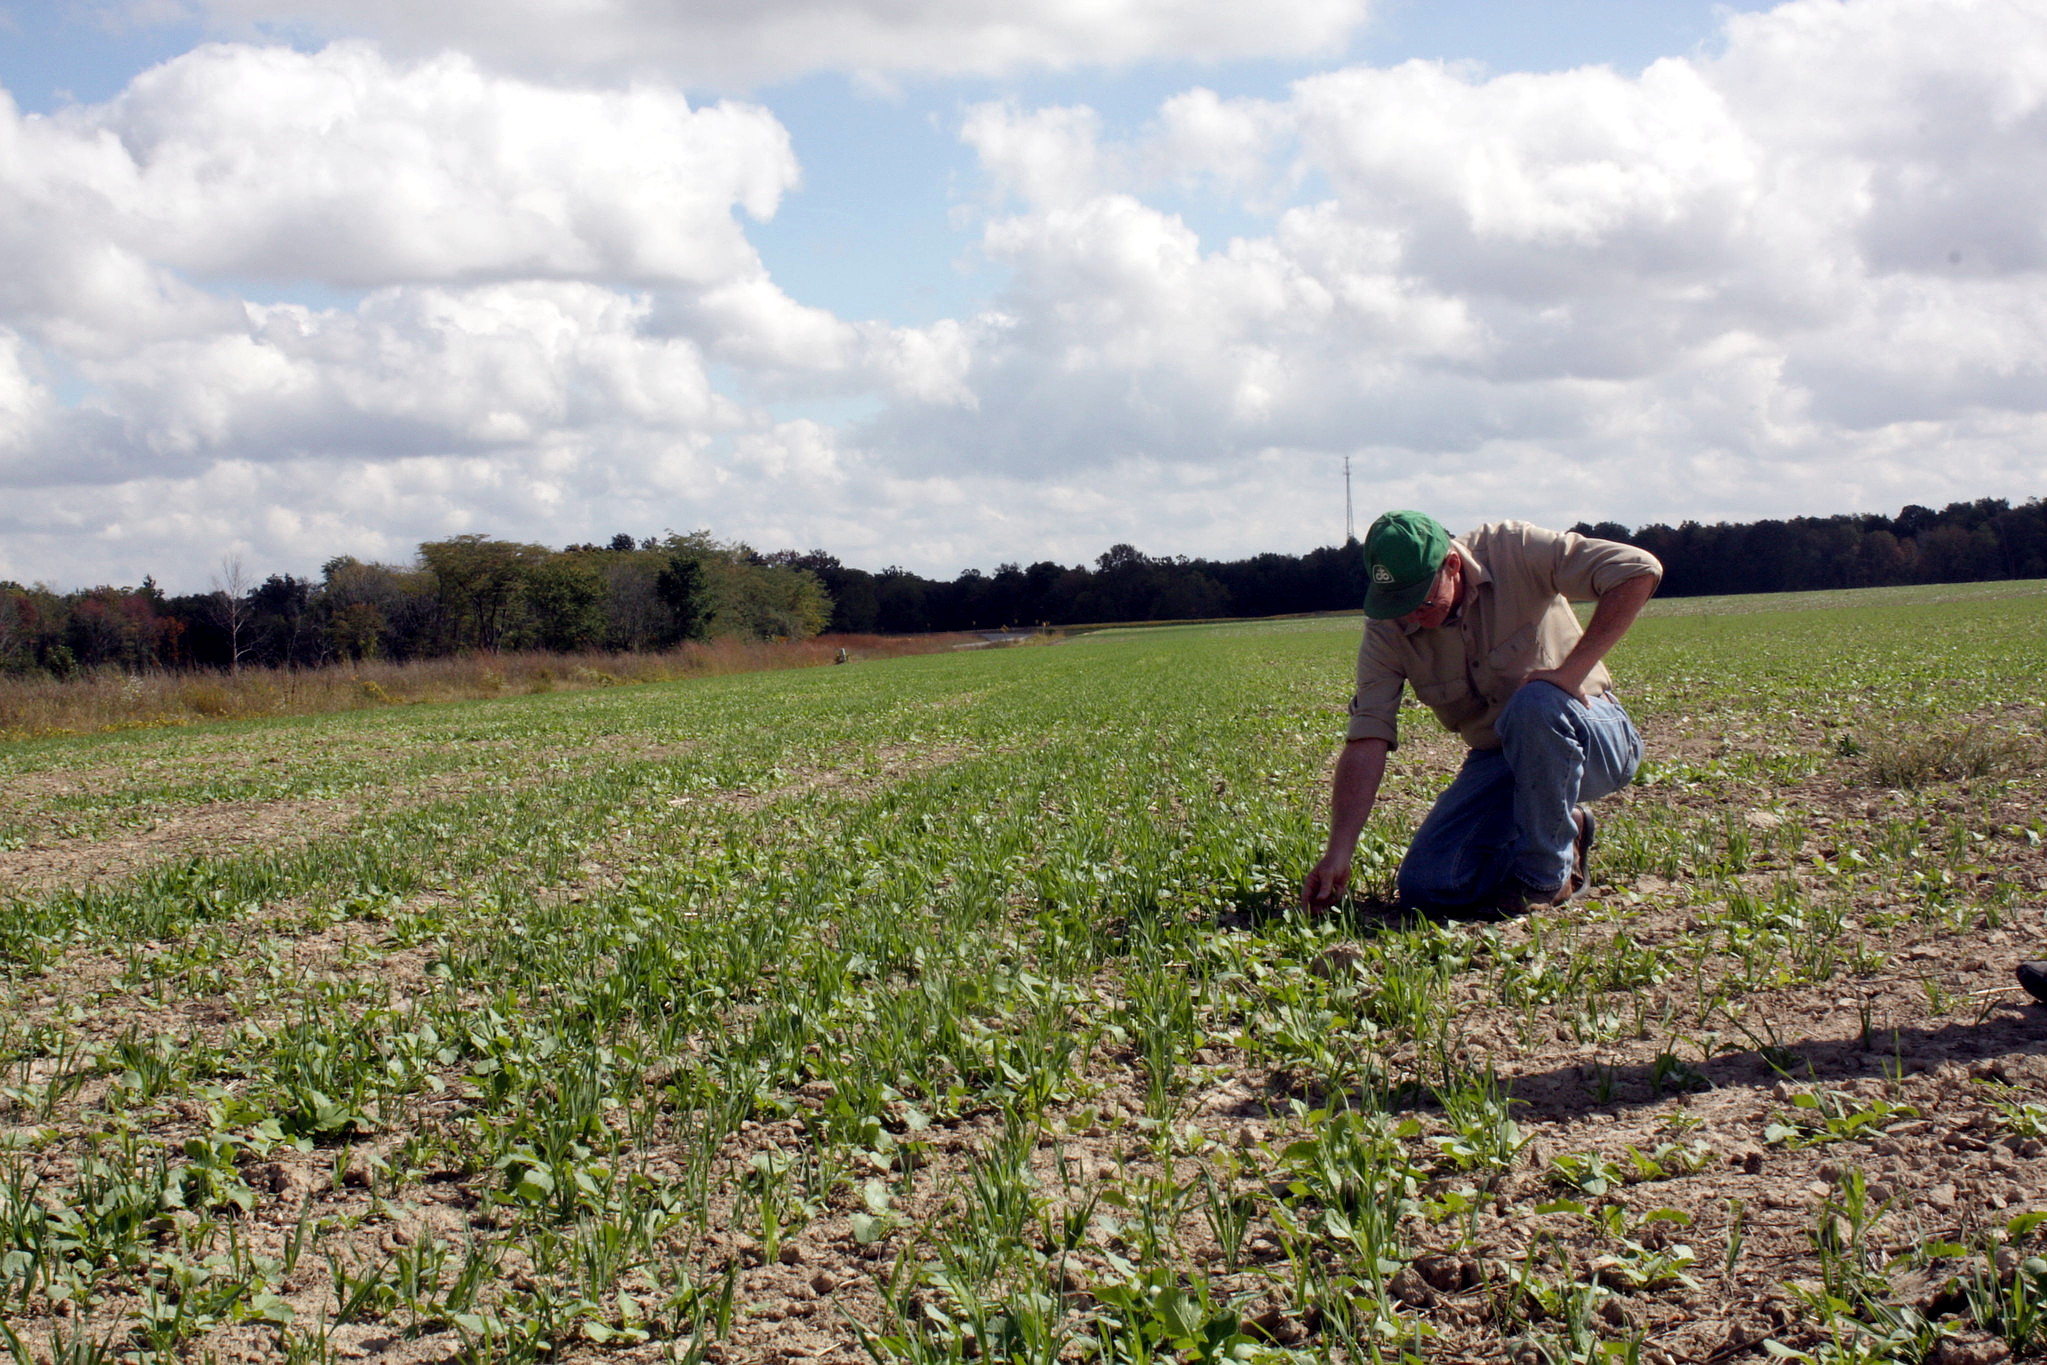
(992,283)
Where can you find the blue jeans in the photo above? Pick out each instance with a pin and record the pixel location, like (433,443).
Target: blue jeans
(1506,817)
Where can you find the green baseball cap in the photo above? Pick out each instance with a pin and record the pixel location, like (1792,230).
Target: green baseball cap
(1403,551)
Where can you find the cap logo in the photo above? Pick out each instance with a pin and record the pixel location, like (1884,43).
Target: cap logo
(1381,574)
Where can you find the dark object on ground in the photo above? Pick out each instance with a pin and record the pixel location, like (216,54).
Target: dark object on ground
(2033,976)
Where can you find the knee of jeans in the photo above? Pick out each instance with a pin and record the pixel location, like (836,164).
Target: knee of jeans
(1537,704)
(1408,885)
(1416,887)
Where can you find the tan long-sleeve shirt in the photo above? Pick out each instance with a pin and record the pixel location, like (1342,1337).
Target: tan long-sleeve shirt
(1515,618)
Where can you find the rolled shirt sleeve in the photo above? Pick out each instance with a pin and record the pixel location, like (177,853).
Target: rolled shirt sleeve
(1375,705)
(1584,569)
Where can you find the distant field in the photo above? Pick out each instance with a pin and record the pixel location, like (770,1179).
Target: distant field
(952,1006)
(1921,594)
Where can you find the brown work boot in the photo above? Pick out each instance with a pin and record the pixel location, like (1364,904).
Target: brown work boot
(1581,853)
(1515,899)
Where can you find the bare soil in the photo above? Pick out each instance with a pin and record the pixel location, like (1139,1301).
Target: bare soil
(215,829)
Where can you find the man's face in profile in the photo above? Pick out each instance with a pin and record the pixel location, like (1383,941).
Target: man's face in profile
(1435,608)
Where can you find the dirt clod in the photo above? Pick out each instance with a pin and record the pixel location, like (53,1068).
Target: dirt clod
(1445,1274)
(1410,1289)
(1979,1350)
(1338,959)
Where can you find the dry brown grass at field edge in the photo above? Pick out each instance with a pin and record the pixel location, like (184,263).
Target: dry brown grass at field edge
(109,699)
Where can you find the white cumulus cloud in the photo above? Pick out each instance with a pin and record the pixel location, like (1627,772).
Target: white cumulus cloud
(729,44)
(345,167)
(1732,285)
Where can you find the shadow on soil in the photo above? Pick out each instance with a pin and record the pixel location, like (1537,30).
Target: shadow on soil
(2005,1029)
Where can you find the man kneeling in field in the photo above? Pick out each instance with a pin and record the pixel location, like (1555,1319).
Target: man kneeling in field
(1482,629)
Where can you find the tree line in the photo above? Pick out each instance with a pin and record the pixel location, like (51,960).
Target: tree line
(473,593)
(1966,542)
(464,594)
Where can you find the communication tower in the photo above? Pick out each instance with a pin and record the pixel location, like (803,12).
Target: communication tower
(1350,525)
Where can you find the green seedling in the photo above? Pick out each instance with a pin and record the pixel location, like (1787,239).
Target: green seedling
(210,1177)
(1737,1236)
(2016,1115)
(1151,1317)
(1642,1255)
(878,1218)
(2012,1304)
(1483,1138)
(1586,1172)
(1229,1214)
(1822,1116)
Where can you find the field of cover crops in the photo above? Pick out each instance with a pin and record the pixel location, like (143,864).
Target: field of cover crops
(953,1007)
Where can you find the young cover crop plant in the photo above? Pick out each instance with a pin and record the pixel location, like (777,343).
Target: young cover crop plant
(957,1006)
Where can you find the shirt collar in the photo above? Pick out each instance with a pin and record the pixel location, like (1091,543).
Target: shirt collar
(1474,572)
(1475,577)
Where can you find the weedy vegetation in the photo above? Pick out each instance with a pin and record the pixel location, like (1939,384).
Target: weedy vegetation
(955,1007)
